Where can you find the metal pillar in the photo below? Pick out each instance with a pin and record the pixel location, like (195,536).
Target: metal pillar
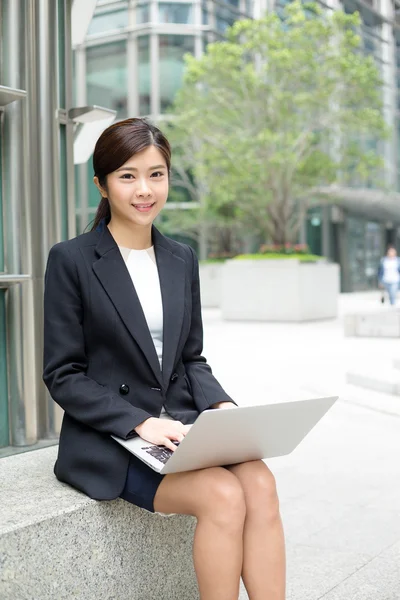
(32,212)
(21,356)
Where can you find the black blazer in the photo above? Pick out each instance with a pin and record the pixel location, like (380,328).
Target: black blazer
(100,363)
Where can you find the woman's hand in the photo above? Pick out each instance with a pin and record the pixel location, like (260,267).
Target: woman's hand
(162,432)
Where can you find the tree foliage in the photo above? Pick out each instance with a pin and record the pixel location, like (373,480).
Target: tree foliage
(282,106)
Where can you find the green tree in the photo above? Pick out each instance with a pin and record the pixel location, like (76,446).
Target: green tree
(282,107)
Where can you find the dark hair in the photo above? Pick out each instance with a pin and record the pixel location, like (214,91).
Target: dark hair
(116,145)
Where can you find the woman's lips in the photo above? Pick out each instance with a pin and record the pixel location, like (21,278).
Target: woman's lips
(144,207)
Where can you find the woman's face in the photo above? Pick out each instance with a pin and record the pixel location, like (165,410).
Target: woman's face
(391,252)
(138,190)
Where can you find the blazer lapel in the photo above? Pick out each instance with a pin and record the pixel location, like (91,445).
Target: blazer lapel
(171,271)
(114,276)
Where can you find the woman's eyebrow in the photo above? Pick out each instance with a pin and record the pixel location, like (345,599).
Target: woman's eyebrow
(134,168)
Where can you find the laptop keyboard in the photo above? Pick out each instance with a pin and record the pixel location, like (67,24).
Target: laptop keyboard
(160,453)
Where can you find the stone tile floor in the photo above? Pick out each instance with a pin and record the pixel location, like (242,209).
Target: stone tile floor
(340,489)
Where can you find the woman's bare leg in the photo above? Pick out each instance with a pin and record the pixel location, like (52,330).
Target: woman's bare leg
(264,568)
(215,496)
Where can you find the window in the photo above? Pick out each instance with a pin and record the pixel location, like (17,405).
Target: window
(107,77)
(175,13)
(144,75)
(108,21)
(224,18)
(142,13)
(172,49)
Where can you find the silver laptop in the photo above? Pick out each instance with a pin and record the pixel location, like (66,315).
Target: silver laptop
(227,437)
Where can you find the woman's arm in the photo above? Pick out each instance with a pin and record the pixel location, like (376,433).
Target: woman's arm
(206,389)
(65,360)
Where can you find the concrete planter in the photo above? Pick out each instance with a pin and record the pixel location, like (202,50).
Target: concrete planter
(210,284)
(279,290)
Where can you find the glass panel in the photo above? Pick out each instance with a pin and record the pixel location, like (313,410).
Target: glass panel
(144,74)
(204,12)
(372,253)
(4,440)
(109,21)
(142,13)
(3,338)
(356,253)
(64,182)
(172,50)
(314,230)
(61,52)
(224,18)
(175,13)
(1,207)
(107,77)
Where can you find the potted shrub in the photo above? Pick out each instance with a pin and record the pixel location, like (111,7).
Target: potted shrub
(211,279)
(280,283)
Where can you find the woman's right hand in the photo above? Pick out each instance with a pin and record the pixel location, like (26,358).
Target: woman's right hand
(162,432)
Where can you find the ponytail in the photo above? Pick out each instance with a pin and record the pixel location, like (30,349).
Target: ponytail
(103,212)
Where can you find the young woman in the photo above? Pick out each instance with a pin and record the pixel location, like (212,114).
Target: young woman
(123,345)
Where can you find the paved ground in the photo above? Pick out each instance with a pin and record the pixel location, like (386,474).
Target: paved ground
(340,490)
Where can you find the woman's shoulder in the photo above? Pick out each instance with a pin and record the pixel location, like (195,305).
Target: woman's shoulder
(74,245)
(89,238)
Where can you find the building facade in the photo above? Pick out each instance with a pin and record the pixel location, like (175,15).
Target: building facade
(132,61)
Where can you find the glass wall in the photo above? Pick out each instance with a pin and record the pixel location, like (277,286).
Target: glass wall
(373,45)
(144,74)
(175,12)
(3,335)
(314,230)
(172,48)
(397,104)
(110,20)
(106,77)
(364,249)
(142,13)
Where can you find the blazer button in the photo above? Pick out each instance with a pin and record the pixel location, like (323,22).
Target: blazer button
(174,377)
(124,389)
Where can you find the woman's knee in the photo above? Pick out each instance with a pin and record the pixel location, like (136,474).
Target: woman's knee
(260,489)
(224,500)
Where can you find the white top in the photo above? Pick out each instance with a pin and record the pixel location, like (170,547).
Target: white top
(391,270)
(142,268)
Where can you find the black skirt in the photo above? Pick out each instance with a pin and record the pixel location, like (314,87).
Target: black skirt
(141,484)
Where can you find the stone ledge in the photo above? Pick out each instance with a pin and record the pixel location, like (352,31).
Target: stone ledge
(385,323)
(55,543)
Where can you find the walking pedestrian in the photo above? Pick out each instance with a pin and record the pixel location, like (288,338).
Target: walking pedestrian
(389,273)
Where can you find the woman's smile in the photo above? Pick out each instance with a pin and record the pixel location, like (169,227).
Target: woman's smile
(144,207)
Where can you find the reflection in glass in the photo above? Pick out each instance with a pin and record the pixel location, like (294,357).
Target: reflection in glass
(175,13)
(107,77)
(109,21)
(142,13)
(172,49)
(144,74)
(224,18)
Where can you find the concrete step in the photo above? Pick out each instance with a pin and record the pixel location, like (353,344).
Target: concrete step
(380,379)
(385,324)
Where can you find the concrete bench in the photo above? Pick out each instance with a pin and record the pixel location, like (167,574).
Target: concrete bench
(384,323)
(56,544)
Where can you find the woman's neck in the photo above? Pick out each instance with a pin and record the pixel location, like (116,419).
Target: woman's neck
(131,235)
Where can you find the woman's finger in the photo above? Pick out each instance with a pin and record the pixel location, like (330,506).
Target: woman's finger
(168,444)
